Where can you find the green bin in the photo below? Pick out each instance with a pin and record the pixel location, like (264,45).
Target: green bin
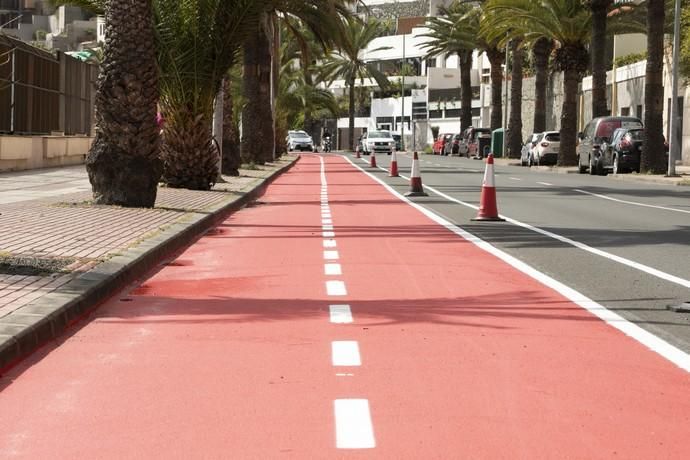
(497,142)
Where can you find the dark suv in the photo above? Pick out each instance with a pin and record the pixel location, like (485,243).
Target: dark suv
(597,132)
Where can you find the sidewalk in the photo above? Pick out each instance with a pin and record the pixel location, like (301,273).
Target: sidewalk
(60,255)
(682,171)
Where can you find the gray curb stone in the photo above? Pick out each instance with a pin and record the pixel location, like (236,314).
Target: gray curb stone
(35,324)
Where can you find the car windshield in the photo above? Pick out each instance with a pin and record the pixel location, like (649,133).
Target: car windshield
(379,134)
(553,137)
(299,135)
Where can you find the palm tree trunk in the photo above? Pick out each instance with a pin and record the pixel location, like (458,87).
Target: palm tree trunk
(123,164)
(541,51)
(351,114)
(465,58)
(258,140)
(598,50)
(188,150)
(496,58)
(231,142)
(514,139)
(567,155)
(653,160)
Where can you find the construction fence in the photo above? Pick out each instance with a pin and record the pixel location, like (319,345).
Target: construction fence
(42,94)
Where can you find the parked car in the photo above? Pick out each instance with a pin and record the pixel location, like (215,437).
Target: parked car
(526,153)
(545,152)
(623,153)
(440,143)
(379,141)
(299,140)
(597,132)
(454,145)
(475,142)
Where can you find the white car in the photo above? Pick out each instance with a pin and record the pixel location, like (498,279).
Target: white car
(528,148)
(299,140)
(546,150)
(380,141)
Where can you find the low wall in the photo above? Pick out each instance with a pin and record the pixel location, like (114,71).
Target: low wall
(34,152)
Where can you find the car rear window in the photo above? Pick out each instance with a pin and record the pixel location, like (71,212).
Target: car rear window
(553,137)
(636,134)
(606,128)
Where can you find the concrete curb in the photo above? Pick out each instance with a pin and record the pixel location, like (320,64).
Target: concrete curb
(25,330)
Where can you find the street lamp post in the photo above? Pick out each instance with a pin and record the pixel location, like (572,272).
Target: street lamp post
(402,69)
(674,147)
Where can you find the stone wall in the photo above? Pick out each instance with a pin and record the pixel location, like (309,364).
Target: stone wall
(33,152)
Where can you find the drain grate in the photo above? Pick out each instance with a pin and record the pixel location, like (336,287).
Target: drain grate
(682,308)
(33,266)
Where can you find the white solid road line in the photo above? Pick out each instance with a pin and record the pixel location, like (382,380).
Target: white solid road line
(634,203)
(654,343)
(340,314)
(332,269)
(353,428)
(345,353)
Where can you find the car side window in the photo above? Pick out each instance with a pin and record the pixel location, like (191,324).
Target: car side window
(589,130)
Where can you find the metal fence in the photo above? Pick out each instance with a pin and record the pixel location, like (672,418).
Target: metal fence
(43,94)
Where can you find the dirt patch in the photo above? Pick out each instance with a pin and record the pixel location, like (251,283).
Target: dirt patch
(34,266)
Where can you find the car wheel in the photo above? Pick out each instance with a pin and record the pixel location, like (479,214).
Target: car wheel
(592,167)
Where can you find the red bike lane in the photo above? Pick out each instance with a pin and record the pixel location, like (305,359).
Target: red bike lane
(332,320)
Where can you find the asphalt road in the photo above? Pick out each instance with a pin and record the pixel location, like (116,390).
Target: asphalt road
(624,244)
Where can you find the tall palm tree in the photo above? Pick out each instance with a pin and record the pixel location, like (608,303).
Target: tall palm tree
(599,10)
(567,23)
(514,134)
(653,160)
(199,41)
(123,163)
(322,18)
(347,62)
(541,50)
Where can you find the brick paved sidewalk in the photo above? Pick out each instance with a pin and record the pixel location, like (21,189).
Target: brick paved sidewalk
(47,243)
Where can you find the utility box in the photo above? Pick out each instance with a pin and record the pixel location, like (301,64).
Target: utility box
(497,142)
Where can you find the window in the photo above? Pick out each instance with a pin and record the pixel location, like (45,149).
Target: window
(435,113)
(431,62)
(452,113)
(625,111)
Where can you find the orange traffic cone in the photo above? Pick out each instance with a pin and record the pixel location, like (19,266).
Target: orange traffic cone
(372,161)
(488,210)
(394,165)
(416,188)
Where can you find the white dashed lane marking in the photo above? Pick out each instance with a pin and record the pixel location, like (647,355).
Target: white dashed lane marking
(329,243)
(353,427)
(340,314)
(335,288)
(345,353)
(332,269)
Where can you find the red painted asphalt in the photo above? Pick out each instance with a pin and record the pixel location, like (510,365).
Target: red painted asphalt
(226,351)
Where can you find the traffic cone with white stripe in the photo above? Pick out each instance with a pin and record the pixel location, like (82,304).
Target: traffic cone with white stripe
(488,209)
(394,165)
(372,161)
(416,188)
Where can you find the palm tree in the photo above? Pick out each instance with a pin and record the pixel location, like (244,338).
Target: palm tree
(567,23)
(448,35)
(322,18)
(541,49)
(599,10)
(347,62)
(199,41)
(653,160)
(123,163)
(514,134)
